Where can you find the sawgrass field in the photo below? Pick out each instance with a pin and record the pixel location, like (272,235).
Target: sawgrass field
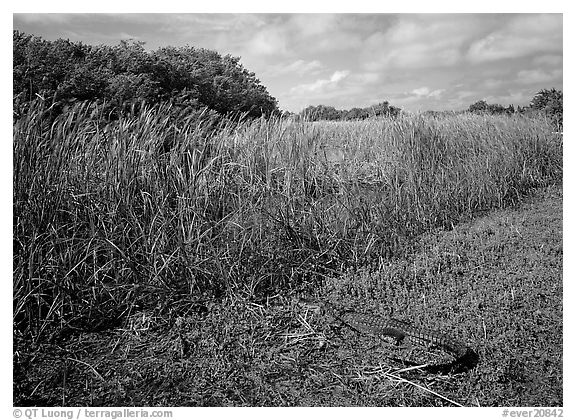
(157,259)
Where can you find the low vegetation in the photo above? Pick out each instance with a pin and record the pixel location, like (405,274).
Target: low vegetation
(495,282)
(143,213)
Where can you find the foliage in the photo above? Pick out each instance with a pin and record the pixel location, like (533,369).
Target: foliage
(549,101)
(482,107)
(64,72)
(546,101)
(321,112)
(329,113)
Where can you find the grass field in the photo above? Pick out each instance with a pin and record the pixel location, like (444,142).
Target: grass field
(155,261)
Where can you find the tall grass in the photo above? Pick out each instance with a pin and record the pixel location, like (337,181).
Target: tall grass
(148,212)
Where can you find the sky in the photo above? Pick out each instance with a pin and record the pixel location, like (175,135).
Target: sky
(414,61)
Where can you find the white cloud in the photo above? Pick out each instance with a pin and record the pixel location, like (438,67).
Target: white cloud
(425,92)
(339,75)
(321,84)
(538,76)
(303,67)
(338,41)
(299,67)
(436,93)
(515,98)
(322,32)
(365,78)
(311,24)
(291,34)
(494,83)
(44,18)
(420,41)
(548,60)
(521,36)
(269,41)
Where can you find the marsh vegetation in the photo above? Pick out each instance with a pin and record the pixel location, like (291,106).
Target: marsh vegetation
(160,237)
(149,212)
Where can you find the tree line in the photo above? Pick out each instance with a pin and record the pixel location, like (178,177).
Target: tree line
(546,101)
(192,79)
(329,113)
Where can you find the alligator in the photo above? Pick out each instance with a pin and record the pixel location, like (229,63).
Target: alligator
(379,326)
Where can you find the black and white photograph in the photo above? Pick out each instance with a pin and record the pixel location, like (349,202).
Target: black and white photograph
(287,209)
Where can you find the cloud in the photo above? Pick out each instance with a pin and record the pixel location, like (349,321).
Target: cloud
(424,92)
(548,60)
(494,83)
(521,36)
(538,76)
(321,85)
(365,78)
(420,41)
(269,41)
(339,75)
(313,24)
(515,98)
(299,67)
(322,33)
(428,41)
(291,35)
(436,93)
(43,18)
(463,94)
(304,67)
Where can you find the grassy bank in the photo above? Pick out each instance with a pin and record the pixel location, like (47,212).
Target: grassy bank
(148,213)
(494,282)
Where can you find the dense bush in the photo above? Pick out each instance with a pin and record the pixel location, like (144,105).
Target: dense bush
(63,72)
(482,107)
(550,101)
